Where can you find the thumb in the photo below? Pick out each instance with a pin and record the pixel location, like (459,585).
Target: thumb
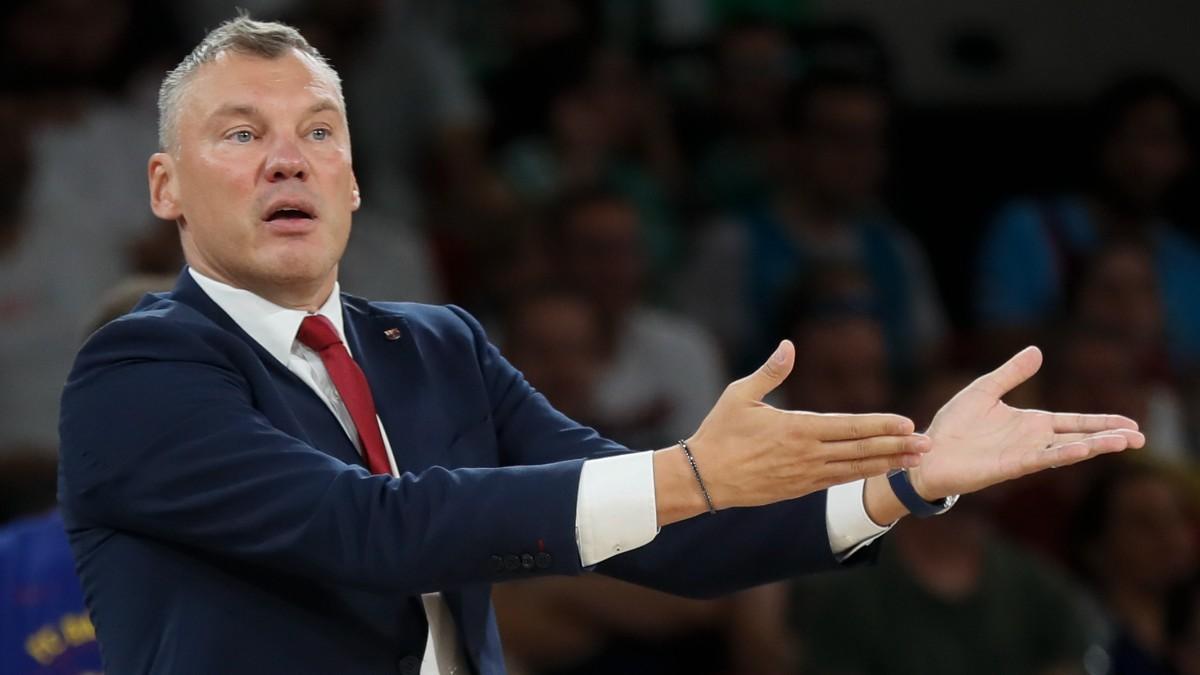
(1007,377)
(769,375)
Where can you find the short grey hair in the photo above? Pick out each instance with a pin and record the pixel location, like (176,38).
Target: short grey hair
(267,39)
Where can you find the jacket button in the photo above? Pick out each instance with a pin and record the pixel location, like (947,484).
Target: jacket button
(409,665)
(544,560)
(527,561)
(511,563)
(497,564)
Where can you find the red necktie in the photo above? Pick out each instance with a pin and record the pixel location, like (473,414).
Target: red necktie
(318,334)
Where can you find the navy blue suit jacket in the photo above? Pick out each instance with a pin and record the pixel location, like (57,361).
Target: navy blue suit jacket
(222,521)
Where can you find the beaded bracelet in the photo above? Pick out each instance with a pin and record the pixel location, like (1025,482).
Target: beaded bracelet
(696,470)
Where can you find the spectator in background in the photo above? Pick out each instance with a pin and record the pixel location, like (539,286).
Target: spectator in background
(44,626)
(553,337)
(825,211)
(841,359)
(1117,292)
(583,625)
(952,596)
(755,63)
(1035,247)
(611,128)
(597,245)
(83,109)
(546,43)
(1038,512)
(1135,541)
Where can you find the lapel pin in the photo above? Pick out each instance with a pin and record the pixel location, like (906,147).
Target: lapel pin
(392,333)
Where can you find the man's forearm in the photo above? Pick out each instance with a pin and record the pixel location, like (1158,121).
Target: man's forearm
(676,493)
(678,497)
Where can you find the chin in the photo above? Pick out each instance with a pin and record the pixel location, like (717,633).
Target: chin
(284,270)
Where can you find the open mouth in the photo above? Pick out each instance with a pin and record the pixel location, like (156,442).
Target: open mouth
(289,213)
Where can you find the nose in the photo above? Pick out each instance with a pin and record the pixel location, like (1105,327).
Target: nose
(285,161)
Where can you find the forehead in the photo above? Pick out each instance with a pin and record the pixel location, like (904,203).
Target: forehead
(244,79)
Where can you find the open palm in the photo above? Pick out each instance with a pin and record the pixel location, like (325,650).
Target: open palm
(978,440)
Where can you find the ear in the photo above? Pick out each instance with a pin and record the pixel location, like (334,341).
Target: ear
(355,197)
(164,187)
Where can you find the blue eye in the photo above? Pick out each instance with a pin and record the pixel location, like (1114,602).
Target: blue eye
(242,136)
(319,134)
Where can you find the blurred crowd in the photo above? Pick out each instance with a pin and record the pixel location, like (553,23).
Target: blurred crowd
(639,199)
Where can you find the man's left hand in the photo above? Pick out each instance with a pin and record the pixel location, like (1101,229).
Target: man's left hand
(978,440)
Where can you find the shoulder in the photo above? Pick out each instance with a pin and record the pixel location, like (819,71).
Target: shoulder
(437,321)
(159,328)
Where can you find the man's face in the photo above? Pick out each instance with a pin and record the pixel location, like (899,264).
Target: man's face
(260,179)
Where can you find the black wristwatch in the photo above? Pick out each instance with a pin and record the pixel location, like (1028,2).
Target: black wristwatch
(912,501)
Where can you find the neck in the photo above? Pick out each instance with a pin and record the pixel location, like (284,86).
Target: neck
(309,297)
(306,295)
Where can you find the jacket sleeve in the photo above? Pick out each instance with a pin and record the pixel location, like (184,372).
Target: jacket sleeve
(160,437)
(704,556)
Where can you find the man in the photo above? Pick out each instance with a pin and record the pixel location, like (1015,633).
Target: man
(214,440)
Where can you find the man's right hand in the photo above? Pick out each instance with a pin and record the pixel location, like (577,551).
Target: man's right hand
(750,453)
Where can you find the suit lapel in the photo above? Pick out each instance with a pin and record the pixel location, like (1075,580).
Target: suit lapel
(384,348)
(310,418)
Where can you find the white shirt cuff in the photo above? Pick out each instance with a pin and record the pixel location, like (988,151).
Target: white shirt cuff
(615,511)
(846,520)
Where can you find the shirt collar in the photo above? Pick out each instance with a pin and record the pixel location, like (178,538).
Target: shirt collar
(270,325)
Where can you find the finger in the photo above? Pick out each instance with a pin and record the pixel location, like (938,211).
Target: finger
(837,427)
(1080,423)
(876,446)
(1135,438)
(1074,452)
(770,374)
(1016,370)
(844,472)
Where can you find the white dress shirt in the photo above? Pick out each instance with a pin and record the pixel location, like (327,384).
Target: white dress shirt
(615,509)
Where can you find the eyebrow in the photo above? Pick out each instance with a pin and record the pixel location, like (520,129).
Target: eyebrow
(236,110)
(323,105)
(250,110)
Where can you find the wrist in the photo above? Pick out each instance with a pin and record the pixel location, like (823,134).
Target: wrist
(676,494)
(918,485)
(904,486)
(880,502)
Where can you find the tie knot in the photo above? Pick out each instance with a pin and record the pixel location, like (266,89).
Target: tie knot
(317,333)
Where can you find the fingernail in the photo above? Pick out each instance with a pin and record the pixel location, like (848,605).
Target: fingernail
(912,460)
(779,356)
